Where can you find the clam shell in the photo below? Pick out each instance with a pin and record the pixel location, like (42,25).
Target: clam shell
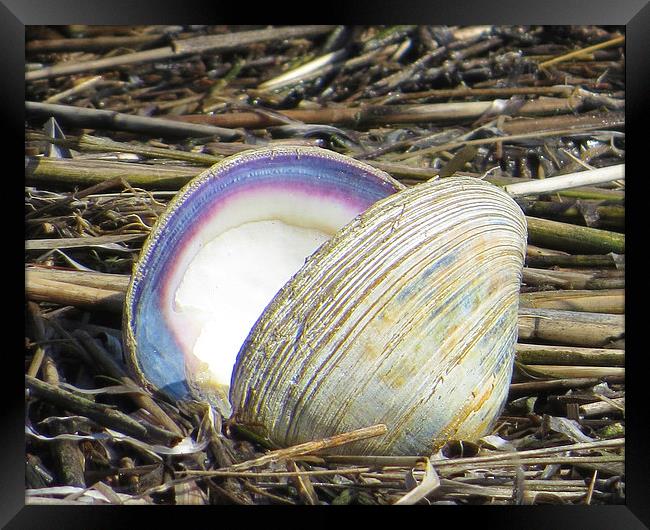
(299,185)
(408,317)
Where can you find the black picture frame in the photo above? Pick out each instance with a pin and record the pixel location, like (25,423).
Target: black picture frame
(634,14)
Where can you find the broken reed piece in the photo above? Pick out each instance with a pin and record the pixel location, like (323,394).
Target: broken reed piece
(98,280)
(378,114)
(102,414)
(572,372)
(563,182)
(591,301)
(573,238)
(595,214)
(114,370)
(67,454)
(180,48)
(616,41)
(564,279)
(40,289)
(108,119)
(337,440)
(569,355)
(573,328)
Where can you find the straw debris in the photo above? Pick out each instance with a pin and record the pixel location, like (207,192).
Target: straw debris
(136,111)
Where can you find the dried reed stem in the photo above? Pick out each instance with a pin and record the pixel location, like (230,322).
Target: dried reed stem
(64,293)
(80,242)
(575,328)
(600,301)
(379,114)
(111,368)
(572,279)
(102,414)
(577,53)
(572,180)
(108,119)
(312,447)
(99,280)
(180,48)
(569,355)
(572,238)
(573,372)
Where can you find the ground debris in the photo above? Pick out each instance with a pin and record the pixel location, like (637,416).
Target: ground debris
(119,118)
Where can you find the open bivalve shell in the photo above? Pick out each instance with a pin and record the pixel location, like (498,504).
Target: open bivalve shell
(309,294)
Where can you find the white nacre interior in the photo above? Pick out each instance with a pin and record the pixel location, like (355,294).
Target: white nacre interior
(233,278)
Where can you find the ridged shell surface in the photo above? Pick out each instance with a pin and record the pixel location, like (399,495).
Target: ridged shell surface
(407,316)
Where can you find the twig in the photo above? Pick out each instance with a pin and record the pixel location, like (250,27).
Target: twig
(99,280)
(108,119)
(381,114)
(102,414)
(520,455)
(572,180)
(595,214)
(571,279)
(93,143)
(272,474)
(570,327)
(570,356)
(573,372)
(39,332)
(64,293)
(603,407)
(535,388)
(429,484)
(296,74)
(577,260)
(87,172)
(111,368)
(573,238)
(312,447)
(583,192)
(571,460)
(91,44)
(180,48)
(79,242)
(264,493)
(612,42)
(444,93)
(600,301)
(97,144)
(404,171)
(79,87)
(592,484)
(303,485)
(571,123)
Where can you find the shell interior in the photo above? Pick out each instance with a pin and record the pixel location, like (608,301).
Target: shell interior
(227,243)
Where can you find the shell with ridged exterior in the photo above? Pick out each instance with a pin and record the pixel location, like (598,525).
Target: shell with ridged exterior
(407,317)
